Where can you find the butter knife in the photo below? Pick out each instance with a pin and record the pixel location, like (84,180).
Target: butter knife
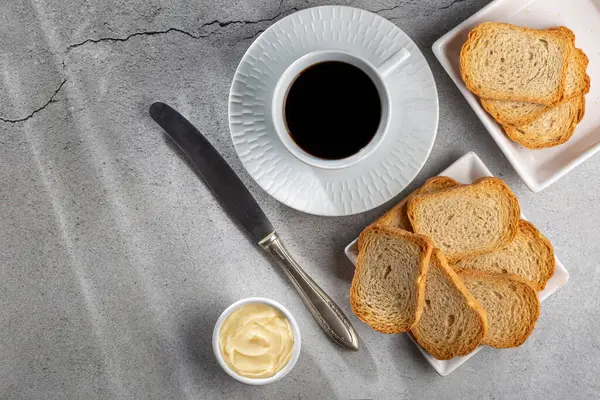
(237,201)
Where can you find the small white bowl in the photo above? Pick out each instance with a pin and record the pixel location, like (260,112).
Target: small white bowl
(256,381)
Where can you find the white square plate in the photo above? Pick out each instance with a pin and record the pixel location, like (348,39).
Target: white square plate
(538,168)
(465,170)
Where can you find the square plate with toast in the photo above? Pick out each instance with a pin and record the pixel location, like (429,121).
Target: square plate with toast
(465,170)
(538,168)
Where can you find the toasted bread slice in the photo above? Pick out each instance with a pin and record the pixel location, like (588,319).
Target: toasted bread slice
(397,217)
(554,127)
(566,31)
(516,113)
(453,323)
(513,113)
(388,288)
(506,62)
(530,256)
(578,81)
(437,183)
(467,220)
(511,304)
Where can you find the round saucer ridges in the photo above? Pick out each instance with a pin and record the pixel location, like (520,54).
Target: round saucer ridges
(378,178)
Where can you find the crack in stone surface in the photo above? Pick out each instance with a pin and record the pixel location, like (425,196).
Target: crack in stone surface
(385,9)
(126,38)
(52,100)
(254,35)
(417,3)
(221,24)
(451,4)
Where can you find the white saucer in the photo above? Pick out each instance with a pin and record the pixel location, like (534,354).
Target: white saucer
(375,179)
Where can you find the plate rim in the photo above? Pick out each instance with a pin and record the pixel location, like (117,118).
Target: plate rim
(438,48)
(338,212)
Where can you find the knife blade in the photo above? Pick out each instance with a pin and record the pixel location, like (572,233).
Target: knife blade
(238,202)
(233,195)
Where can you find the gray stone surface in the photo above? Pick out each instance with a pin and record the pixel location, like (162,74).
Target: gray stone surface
(115,261)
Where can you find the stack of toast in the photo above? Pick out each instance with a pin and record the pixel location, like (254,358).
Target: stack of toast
(455,265)
(531,81)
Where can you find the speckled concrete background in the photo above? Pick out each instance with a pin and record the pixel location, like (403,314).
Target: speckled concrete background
(115,261)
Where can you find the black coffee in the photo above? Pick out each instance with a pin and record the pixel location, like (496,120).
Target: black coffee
(332,110)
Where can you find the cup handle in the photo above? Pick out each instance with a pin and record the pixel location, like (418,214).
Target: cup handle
(393,61)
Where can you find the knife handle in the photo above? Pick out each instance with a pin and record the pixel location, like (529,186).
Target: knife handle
(328,315)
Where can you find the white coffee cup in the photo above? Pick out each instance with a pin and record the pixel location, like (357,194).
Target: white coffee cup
(377,74)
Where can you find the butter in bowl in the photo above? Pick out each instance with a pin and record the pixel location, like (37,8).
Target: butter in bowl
(256,341)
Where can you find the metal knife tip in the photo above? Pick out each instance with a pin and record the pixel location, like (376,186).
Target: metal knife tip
(156,109)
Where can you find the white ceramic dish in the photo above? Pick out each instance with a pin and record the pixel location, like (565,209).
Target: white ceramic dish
(256,381)
(389,167)
(465,170)
(538,168)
